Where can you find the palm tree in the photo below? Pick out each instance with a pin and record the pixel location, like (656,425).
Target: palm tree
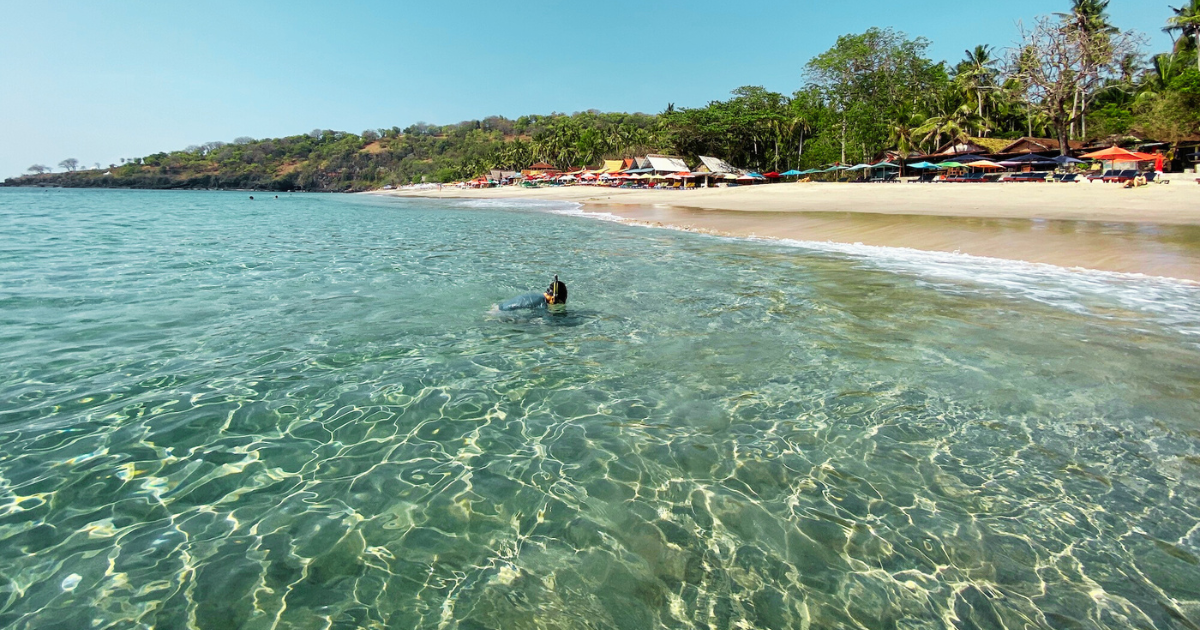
(904,135)
(798,125)
(977,75)
(1167,67)
(1187,24)
(1089,16)
(1090,19)
(956,126)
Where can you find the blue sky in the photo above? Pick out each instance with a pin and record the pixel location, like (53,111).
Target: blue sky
(102,80)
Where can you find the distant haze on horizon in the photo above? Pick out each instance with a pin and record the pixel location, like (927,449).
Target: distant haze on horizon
(102,81)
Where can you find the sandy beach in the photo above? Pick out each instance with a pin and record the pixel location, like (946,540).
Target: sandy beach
(1153,230)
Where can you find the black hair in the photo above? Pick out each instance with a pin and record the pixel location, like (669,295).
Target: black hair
(558,291)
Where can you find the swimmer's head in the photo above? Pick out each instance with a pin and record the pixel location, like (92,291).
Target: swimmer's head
(557,293)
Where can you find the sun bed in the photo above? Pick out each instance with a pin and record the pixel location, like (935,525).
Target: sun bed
(1103,176)
(1067,178)
(1032,176)
(1120,177)
(927,178)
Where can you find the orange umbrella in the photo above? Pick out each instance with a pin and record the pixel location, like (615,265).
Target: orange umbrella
(1117,154)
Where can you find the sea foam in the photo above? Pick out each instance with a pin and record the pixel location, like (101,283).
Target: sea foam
(1171,301)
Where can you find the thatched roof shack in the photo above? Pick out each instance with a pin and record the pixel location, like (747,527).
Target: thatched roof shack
(972,146)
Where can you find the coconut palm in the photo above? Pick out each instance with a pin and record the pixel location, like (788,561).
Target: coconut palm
(1089,16)
(976,76)
(1186,23)
(956,127)
(1167,67)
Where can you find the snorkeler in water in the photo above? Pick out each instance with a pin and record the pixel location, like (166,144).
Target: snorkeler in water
(557,293)
(555,296)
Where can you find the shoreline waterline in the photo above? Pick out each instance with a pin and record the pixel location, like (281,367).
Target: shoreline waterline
(1169,249)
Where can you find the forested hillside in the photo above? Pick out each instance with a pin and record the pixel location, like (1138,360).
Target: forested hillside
(1075,76)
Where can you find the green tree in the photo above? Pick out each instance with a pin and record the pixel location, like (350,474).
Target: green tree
(1059,67)
(867,80)
(976,76)
(1186,23)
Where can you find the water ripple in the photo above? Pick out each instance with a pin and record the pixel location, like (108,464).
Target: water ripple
(303,415)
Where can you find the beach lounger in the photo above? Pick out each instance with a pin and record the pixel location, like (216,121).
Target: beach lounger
(1068,178)
(1102,177)
(927,178)
(1120,177)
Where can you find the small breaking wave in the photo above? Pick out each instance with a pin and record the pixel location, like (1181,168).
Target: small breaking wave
(1172,301)
(519,204)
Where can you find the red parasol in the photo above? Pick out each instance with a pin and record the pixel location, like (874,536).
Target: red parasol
(1117,154)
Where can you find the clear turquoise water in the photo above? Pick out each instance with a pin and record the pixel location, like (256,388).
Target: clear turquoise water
(303,413)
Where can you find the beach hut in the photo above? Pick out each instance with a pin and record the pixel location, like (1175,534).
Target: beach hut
(1037,145)
(971,146)
(612,166)
(717,165)
(666,164)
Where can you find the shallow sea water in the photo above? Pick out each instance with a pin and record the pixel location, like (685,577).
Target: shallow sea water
(306,413)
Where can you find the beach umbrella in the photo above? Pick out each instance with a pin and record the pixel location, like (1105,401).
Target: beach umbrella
(950,165)
(1063,160)
(858,167)
(792,173)
(885,165)
(983,164)
(772,175)
(835,168)
(922,165)
(1117,154)
(1028,158)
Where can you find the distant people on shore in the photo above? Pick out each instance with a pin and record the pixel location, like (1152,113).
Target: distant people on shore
(1137,182)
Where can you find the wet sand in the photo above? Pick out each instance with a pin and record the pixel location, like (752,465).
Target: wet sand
(1153,230)
(1159,250)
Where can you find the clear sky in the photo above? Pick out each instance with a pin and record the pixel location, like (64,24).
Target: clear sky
(103,80)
